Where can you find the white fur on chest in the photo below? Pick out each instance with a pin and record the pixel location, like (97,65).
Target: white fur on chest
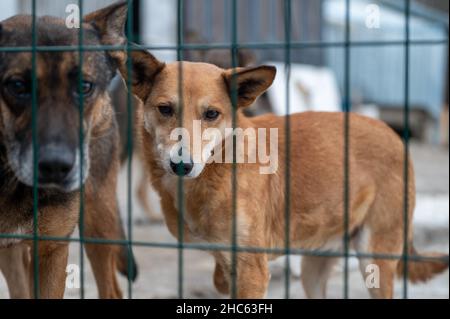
(171,185)
(5,242)
(334,244)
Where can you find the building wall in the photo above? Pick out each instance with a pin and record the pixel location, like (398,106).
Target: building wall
(442,5)
(158,24)
(57,8)
(8,8)
(377,73)
(258,21)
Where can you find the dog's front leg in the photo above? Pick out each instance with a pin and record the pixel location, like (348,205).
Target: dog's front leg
(52,262)
(253,276)
(14,263)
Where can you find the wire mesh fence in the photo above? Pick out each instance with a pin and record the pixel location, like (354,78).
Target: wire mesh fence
(288,45)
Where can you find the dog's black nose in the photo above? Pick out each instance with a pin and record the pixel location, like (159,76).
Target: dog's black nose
(55,163)
(181,169)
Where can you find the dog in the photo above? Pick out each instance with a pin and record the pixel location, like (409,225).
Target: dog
(60,155)
(316,174)
(221,58)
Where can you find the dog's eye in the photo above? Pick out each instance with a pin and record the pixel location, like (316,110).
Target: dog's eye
(166,110)
(211,115)
(19,89)
(87,88)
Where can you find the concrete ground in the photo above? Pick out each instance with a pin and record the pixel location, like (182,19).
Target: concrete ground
(158,267)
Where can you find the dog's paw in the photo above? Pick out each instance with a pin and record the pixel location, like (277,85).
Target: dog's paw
(220,281)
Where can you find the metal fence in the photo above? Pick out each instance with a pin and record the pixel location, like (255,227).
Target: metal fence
(288,45)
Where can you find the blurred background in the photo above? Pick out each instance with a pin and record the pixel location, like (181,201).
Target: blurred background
(316,82)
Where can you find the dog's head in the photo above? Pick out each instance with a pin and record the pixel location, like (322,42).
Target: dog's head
(190,120)
(58,93)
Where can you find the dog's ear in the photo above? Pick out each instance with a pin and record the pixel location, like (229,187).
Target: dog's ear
(249,83)
(110,24)
(144,68)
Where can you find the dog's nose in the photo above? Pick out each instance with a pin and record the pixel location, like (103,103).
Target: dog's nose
(182,169)
(55,163)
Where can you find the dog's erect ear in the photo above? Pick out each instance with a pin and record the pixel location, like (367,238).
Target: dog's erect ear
(110,23)
(249,83)
(144,68)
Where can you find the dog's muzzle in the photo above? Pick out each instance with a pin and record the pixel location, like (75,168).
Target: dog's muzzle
(182,169)
(55,164)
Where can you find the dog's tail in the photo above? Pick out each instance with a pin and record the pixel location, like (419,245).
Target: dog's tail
(423,267)
(126,263)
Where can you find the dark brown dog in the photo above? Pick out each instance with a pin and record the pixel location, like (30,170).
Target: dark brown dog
(60,156)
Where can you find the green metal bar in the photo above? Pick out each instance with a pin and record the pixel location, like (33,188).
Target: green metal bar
(347,109)
(406,152)
(248,45)
(34,107)
(227,7)
(234,181)
(81,146)
(208,18)
(227,248)
(287,213)
(181,212)
(420,11)
(130,147)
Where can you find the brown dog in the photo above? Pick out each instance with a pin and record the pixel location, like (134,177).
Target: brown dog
(59,158)
(221,58)
(316,177)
